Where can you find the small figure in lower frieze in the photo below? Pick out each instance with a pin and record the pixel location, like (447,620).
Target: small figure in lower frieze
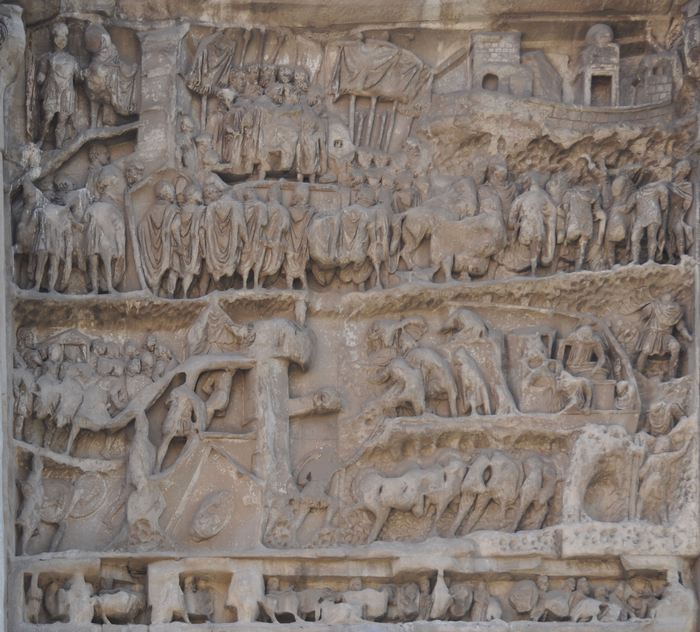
(33,600)
(372,604)
(485,607)
(279,602)
(171,603)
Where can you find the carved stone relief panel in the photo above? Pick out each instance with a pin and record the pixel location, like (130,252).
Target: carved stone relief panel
(373,321)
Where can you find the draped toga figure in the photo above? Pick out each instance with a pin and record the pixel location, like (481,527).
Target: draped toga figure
(252,253)
(155,237)
(187,260)
(224,230)
(297,251)
(275,234)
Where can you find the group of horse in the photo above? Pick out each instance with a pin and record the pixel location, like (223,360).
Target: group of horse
(520,488)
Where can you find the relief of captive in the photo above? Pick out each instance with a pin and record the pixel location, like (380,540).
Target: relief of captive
(376,324)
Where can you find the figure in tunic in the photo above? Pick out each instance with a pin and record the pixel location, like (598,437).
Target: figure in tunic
(217,119)
(105,231)
(212,63)
(583,352)
(53,243)
(650,203)
(661,317)
(498,183)
(155,237)
(186,150)
(533,221)
(76,200)
(679,233)
(99,157)
(56,75)
(297,251)
(186,414)
(311,146)
(581,207)
(617,229)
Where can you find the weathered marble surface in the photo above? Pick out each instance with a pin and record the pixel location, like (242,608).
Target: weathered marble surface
(350,315)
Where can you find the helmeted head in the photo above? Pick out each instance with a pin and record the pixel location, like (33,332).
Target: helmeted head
(365,197)
(237,80)
(583,586)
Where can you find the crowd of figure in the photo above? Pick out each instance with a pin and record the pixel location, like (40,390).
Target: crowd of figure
(265,118)
(487,229)
(453,599)
(420,378)
(74,382)
(72,238)
(72,599)
(214,233)
(193,600)
(397,224)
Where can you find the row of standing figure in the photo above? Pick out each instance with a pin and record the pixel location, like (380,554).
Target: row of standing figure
(210,235)
(74,229)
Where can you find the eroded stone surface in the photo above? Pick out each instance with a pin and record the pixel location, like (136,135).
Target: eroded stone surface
(351,316)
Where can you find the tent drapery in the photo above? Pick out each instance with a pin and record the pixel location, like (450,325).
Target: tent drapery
(382,70)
